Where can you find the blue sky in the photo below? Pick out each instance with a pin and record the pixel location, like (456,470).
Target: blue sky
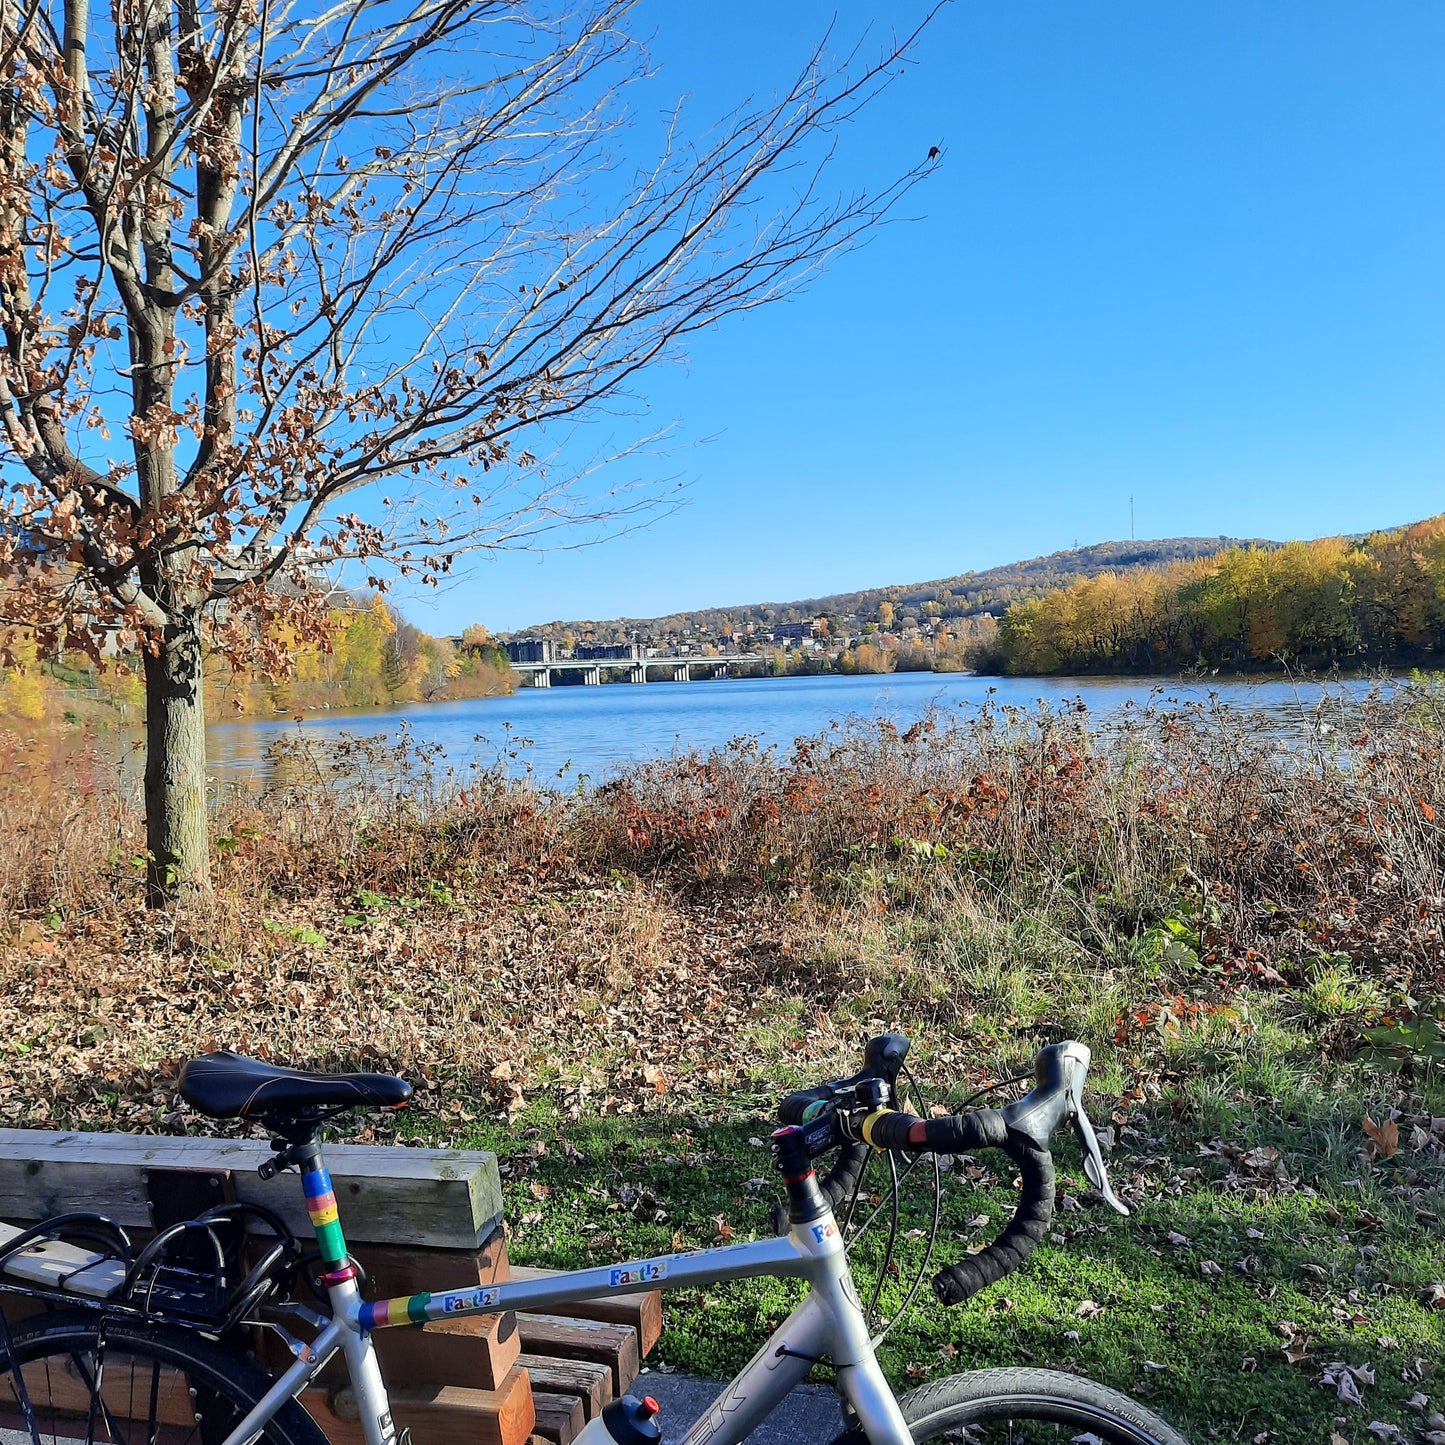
(1191,252)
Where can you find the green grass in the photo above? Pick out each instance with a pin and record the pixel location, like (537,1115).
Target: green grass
(1338,1247)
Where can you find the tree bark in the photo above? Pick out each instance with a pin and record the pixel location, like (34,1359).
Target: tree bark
(177,838)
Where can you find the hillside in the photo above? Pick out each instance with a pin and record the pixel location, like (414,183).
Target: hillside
(1376,601)
(968,595)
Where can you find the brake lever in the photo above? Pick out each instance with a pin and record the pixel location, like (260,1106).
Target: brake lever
(1088,1141)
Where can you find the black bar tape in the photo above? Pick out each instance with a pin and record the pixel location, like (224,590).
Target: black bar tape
(962,1134)
(842,1179)
(1023,1232)
(791,1110)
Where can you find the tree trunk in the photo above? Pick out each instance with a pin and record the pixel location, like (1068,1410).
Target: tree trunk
(177,833)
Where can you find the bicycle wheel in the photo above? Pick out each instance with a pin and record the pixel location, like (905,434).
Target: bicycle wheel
(123,1382)
(1020,1406)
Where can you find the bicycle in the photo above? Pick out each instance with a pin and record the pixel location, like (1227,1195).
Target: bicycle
(159,1354)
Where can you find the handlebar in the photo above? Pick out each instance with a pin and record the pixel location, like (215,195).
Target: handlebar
(855,1116)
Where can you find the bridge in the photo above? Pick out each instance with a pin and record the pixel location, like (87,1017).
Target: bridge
(674,669)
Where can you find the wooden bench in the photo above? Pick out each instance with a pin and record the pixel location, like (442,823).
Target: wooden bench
(415,1219)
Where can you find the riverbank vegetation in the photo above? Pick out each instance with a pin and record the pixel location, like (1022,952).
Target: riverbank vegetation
(611,986)
(369,655)
(1326,603)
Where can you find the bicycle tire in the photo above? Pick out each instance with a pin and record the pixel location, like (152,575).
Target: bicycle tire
(152,1377)
(1069,1407)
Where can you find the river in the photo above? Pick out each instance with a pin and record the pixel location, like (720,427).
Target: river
(559,734)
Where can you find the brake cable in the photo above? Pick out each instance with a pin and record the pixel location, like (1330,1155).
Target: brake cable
(892,1237)
(933,1222)
(896,1181)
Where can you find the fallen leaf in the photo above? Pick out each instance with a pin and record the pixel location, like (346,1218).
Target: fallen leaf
(1296,1348)
(1209,1269)
(1336,1376)
(1384,1137)
(1264,1157)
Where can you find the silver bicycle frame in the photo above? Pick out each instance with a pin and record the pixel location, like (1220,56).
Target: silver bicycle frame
(828,1323)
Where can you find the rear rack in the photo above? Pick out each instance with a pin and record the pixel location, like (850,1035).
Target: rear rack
(209,1272)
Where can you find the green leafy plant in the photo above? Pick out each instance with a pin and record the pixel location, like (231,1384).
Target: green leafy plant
(1409,1041)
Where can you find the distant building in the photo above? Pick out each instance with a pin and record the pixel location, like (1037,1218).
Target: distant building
(609,652)
(530,649)
(797,631)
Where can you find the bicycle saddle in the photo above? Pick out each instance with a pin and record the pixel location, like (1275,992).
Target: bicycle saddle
(224,1085)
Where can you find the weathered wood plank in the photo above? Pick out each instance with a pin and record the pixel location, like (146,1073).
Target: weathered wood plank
(573,1339)
(442,1198)
(436,1414)
(590,1382)
(480,1350)
(559,1417)
(642,1311)
(57,1265)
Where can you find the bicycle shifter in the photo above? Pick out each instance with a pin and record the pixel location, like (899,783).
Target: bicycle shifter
(1088,1140)
(1061,1070)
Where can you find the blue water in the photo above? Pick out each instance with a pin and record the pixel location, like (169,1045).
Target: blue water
(559,733)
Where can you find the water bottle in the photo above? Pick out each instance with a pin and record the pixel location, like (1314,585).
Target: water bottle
(628,1421)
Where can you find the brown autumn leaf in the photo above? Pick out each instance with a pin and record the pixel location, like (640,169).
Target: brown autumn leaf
(1385,1138)
(1296,1348)
(654,1076)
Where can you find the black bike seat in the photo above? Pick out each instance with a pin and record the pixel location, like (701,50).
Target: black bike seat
(224,1085)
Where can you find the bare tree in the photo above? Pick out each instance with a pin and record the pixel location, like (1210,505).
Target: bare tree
(257,255)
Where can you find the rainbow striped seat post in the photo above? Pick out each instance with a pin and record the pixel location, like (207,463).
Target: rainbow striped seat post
(336,1267)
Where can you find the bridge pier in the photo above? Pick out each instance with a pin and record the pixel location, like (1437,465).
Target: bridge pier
(682,673)
(542,677)
(638,674)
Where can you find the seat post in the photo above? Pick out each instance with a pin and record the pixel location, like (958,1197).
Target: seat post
(321,1207)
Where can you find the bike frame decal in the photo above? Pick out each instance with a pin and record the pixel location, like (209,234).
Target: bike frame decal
(644,1273)
(416,1309)
(321,1206)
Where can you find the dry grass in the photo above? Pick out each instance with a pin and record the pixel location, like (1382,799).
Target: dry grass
(723,917)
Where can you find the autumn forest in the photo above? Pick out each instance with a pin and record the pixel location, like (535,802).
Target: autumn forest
(1331,602)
